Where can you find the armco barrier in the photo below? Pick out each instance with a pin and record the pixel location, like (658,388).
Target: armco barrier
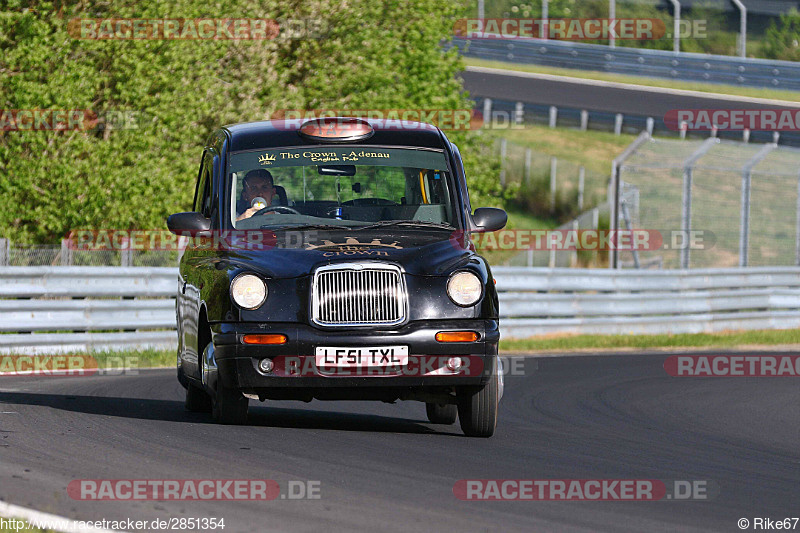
(570,117)
(730,70)
(74,309)
(538,301)
(47,310)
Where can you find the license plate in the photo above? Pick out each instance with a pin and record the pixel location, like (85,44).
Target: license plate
(362,356)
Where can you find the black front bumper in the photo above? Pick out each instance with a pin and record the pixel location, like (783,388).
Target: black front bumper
(295,364)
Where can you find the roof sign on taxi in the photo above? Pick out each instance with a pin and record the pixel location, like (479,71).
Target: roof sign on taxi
(336,129)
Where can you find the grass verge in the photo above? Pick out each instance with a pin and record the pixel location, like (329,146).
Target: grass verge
(565,343)
(517,220)
(105,359)
(595,150)
(135,358)
(733,90)
(731,339)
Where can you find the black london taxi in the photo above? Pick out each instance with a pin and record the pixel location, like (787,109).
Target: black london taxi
(341,269)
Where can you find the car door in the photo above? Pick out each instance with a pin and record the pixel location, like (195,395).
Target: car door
(189,300)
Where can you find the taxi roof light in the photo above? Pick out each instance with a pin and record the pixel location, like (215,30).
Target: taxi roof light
(336,129)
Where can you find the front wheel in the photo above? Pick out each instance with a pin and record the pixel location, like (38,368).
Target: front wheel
(197,401)
(229,406)
(477,408)
(439,413)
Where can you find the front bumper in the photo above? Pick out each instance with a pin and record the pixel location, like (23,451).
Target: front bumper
(295,363)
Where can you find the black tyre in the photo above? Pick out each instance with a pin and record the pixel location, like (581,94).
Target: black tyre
(229,406)
(197,401)
(439,413)
(477,408)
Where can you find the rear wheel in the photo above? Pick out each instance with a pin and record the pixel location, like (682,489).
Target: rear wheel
(439,413)
(477,408)
(197,401)
(229,406)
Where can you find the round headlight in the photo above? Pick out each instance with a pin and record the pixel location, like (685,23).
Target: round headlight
(464,288)
(248,291)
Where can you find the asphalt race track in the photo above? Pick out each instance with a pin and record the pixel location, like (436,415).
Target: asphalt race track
(597,96)
(383,467)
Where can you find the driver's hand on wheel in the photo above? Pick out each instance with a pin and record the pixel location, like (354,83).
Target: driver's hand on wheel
(247,214)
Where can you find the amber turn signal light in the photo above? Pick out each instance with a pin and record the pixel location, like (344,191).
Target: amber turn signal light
(456,336)
(264,339)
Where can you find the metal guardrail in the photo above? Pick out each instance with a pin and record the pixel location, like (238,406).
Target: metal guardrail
(54,343)
(539,301)
(47,310)
(36,282)
(686,66)
(623,122)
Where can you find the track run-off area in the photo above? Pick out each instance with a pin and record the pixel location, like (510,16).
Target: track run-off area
(373,465)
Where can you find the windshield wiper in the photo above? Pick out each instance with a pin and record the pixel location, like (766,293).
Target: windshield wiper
(305,226)
(416,223)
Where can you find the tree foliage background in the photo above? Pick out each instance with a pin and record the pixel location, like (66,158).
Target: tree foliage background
(372,55)
(783,40)
(719,36)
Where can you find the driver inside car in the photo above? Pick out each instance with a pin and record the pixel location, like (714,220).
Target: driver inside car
(257,182)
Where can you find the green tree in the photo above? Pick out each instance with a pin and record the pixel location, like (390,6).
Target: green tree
(719,37)
(783,41)
(370,54)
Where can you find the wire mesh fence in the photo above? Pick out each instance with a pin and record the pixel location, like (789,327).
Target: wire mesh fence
(551,188)
(560,180)
(714,203)
(740,200)
(593,219)
(62,255)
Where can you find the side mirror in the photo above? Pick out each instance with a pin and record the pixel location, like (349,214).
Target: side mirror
(191,223)
(488,219)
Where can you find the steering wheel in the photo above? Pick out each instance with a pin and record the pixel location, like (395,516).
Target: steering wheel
(278,209)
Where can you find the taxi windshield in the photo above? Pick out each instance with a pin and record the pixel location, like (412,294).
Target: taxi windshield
(349,186)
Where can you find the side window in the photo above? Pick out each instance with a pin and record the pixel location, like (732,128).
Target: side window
(200,187)
(461,182)
(202,199)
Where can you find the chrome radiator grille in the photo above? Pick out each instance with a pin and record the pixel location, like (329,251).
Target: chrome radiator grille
(358,294)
